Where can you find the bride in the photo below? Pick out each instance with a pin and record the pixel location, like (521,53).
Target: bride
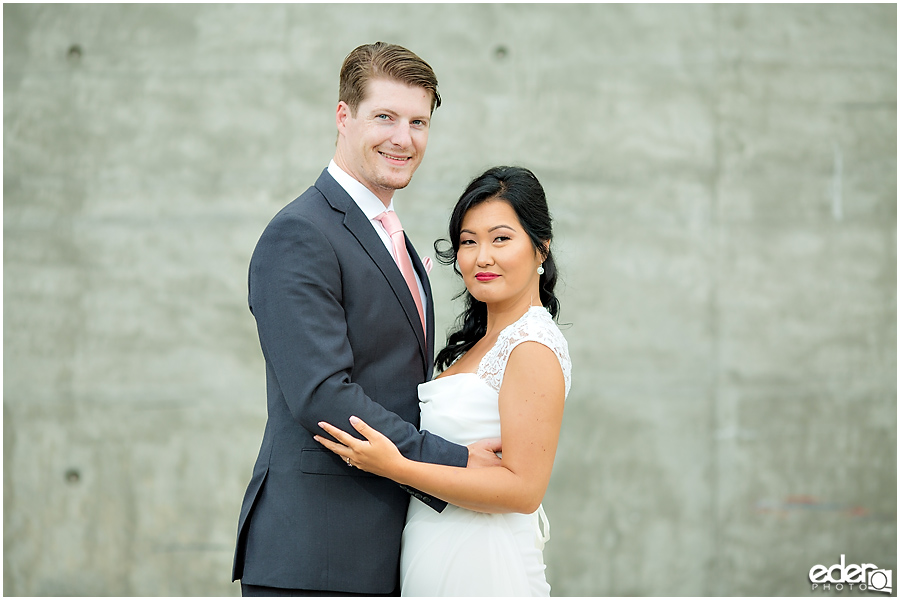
(506,367)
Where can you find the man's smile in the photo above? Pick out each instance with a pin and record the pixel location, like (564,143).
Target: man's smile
(393,157)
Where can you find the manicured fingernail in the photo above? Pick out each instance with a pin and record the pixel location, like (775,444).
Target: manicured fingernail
(354,420)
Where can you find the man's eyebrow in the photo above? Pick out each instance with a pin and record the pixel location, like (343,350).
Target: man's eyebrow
(393,113)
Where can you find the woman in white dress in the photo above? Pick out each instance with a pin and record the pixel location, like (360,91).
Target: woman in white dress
(506,368)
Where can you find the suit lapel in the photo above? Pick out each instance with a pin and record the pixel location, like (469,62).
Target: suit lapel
(429,302)
(358,225)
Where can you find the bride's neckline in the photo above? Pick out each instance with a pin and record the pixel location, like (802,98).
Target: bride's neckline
(443,377)
(486,354)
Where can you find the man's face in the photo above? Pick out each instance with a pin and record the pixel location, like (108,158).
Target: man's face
(382,146)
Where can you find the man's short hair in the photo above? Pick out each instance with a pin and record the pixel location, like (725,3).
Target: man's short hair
(389,61)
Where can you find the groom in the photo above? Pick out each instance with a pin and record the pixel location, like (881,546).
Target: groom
(346,324)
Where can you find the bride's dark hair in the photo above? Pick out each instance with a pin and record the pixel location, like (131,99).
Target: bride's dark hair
(523,192)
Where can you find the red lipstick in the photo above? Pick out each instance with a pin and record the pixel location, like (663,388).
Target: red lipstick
(486,276)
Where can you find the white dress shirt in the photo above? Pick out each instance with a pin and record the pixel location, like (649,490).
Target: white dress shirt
(371,206)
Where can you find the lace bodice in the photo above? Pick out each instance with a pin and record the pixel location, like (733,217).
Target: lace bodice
(462,408)
(536,325)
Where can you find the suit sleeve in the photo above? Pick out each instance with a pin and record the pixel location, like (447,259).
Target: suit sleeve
(296,298)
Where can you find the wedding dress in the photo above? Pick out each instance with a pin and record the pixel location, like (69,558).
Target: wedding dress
(459,552)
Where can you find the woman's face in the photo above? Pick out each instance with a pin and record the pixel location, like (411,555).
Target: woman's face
(497,260)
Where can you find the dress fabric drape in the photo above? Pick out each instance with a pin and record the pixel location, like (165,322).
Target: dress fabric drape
(460,552)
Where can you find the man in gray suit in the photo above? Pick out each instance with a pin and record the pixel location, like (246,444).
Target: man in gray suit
(346,324)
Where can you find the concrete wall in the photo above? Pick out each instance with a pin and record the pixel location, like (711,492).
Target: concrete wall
(724,183)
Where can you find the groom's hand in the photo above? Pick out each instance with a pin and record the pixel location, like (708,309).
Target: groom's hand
(483,453)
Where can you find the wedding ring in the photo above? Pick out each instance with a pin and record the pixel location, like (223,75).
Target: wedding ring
(348,462)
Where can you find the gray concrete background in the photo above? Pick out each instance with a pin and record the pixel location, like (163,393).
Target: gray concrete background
(724,184)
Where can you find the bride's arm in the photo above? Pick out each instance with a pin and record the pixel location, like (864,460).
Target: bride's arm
(531,407)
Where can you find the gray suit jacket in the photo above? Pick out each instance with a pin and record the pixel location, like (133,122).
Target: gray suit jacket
(341,336)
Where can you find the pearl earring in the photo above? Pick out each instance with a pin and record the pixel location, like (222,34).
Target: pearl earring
(540,269)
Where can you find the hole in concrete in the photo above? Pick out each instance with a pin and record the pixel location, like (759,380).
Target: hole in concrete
(74,53)
(73,476)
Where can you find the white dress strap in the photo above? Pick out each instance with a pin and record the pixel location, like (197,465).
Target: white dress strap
(536,325)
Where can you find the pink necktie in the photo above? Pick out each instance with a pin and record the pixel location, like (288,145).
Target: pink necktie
(392,224)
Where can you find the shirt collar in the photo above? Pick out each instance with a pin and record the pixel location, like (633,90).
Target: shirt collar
(363,196)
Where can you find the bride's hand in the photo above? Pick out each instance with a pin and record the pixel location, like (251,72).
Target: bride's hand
(376,454)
